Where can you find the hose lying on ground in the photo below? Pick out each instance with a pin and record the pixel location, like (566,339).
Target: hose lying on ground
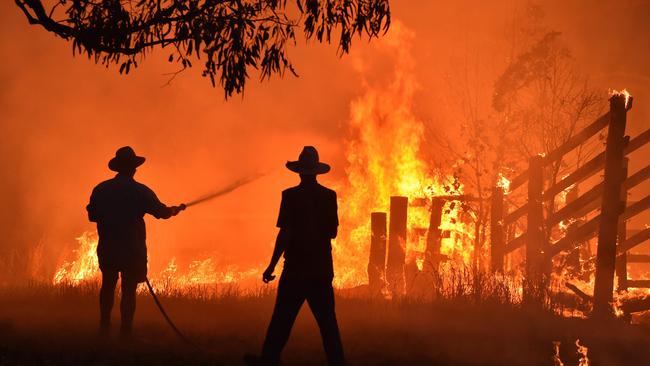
(167,318)
(207,197)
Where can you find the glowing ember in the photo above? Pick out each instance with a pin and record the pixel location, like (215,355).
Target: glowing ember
(504,183)
(582,351)
(557,361)
(623,92)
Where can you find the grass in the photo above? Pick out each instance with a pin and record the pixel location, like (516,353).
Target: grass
(46,325)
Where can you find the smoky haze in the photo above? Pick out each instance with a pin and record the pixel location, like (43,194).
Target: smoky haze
(62,118)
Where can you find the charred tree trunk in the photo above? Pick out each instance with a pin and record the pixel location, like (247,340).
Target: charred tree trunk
(611,208)
(497,237)
(397,245)
(377,262)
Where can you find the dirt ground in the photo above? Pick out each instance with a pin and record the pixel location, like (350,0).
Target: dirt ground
(41,325)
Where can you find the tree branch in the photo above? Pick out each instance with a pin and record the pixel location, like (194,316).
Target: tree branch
(234,35)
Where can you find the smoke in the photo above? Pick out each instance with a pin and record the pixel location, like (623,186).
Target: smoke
(62,118)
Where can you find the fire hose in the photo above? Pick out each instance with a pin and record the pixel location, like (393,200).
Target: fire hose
(201,199)
(167,318)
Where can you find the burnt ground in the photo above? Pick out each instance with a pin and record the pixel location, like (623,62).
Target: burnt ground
(40,325)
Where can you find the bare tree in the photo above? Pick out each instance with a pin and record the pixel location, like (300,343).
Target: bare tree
(539,101)
(233,36)
(547,101)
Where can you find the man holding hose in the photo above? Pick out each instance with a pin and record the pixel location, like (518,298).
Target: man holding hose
(118,206)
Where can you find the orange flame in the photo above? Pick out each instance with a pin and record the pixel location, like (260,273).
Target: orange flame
(623,92)
(557,361)
(199,272)
(582,351)
(385,160)
(503,183)
(85,266)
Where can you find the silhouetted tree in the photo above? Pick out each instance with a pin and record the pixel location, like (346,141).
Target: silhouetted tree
(537,102)
(229,36)
(548,100)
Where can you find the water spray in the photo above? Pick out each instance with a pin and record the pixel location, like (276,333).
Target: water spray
(238,183)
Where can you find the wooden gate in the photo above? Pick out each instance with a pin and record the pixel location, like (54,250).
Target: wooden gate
(610,196)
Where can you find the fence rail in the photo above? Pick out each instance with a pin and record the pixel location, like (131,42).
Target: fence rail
(609,196)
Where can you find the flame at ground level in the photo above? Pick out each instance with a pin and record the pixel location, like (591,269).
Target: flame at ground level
(452,280)
(199,272)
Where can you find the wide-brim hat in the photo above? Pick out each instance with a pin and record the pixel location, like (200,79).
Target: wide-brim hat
(308,163)
(125,159)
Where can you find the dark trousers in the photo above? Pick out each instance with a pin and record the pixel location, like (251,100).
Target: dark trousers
(292,292)
(107,296)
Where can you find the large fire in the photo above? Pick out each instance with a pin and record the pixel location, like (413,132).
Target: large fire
(384,152)
(384,156)
(385,160)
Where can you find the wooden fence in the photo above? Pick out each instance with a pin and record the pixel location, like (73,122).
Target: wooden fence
(610,196)
(387,254)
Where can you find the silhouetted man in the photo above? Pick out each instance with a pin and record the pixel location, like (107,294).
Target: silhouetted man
(308,221)
(118,206)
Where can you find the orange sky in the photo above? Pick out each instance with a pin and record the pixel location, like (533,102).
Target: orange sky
(62,118)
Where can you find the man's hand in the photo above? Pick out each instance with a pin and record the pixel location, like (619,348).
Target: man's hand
(280,244)
(177,209)
(268,275)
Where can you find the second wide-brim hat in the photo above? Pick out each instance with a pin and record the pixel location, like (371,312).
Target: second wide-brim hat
(308,163)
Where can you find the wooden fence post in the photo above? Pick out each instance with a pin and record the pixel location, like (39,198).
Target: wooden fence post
(497,238)
(377,261)
(434,234)
(535,232)
(621,260)
(397,245)
(611,208)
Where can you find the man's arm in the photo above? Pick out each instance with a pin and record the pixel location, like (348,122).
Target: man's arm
(92,211)
(281,241)
(280,245)
(158,209)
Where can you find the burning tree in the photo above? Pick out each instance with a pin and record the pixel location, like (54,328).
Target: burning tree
(547,101)
(538,102)
(232,36)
